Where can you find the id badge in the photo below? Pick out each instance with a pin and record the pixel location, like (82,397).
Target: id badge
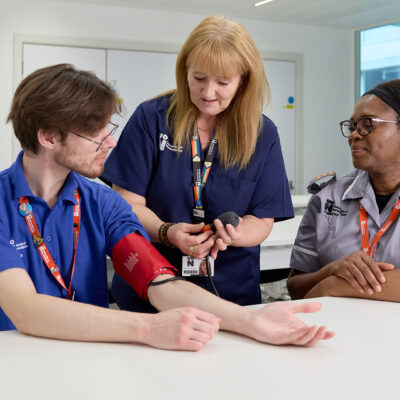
(195,267)
(198,213)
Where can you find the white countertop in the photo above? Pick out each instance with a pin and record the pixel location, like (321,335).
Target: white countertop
(300,200)
(283,233)
(359,363)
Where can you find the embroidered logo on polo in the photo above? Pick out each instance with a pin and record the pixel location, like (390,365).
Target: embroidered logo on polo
(165,144)
(332,209)
(19,246)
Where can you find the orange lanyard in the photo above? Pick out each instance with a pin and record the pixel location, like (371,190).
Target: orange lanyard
(25,209)
(370,248)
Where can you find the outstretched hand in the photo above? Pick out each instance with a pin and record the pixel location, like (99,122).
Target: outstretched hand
(276,323)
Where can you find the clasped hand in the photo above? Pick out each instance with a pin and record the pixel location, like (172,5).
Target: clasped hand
(361,271)
(192,241)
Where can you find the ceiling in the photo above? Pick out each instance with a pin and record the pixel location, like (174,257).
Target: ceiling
(351,14)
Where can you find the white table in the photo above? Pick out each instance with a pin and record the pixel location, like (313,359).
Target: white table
(361,362)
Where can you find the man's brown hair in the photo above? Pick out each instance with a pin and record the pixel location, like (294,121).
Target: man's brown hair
(61,99)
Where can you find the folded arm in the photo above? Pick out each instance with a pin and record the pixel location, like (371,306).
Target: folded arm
(339,287)
(361,271)
(300,283)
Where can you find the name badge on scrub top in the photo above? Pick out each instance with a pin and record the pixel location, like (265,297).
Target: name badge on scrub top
(195,267)
(198,214)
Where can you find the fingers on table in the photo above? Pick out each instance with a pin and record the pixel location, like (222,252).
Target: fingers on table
(309,336)
(312,337)
(308,307)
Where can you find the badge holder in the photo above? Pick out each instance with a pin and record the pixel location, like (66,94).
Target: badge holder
(195,267)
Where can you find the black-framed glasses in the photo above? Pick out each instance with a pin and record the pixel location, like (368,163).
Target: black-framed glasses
(363,126)
(111,127)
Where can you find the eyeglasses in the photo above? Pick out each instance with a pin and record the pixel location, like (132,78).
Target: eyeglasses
(363,126)
(111,127)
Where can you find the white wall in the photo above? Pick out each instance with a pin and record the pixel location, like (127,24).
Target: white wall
(328,62)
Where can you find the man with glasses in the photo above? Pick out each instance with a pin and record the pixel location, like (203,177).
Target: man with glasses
(348,240)
(57,227)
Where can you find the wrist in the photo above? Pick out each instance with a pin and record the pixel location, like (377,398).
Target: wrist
(147,328)
(138,327)
(328,270)
(163,234)
(324,288)
(238,320)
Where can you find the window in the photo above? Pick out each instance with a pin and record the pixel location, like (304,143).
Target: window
(379,56)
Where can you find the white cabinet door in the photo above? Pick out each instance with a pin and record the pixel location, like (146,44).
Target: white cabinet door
(138,76)
(281,76)
(37,56)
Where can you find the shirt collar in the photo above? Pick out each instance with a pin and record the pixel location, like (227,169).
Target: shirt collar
(359,187)
(22,188)
(17,178)
(68,190)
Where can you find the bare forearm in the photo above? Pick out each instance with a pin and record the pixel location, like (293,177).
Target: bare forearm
(254,231)
(274,323)
(300,284)
(149,220)
(46,316)
(338,287)
(146,216)
(183,294)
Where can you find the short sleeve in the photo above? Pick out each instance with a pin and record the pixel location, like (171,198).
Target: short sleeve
(305,255)
(9,256)
(131,161)
(119,220)
(271,197)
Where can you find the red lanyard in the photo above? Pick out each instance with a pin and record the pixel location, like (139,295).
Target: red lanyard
(370,248)
(25,209)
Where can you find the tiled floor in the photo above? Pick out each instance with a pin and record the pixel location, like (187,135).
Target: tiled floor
(274,291)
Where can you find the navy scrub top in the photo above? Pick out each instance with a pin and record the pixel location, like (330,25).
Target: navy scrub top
(147,163)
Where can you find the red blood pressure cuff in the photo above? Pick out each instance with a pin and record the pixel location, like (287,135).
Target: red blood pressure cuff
(138,262)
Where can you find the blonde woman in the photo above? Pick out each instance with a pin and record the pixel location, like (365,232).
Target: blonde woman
(200,150)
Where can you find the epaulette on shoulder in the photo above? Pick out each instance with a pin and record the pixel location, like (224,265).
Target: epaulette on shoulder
(326,179)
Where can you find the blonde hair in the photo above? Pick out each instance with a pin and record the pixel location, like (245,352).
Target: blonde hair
(227,48)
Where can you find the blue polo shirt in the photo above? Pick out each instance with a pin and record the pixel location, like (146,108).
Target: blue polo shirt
(105,219)
(147,163)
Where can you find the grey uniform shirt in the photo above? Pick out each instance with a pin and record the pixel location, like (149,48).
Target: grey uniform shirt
(330,228)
